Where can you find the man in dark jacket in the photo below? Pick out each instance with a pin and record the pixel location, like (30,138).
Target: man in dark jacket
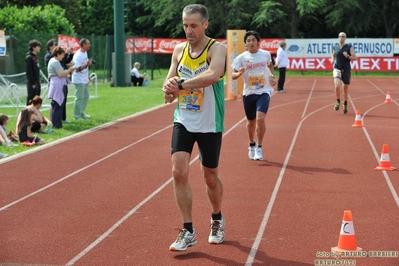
(33,70)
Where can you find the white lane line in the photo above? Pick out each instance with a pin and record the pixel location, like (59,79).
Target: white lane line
(386,176)
(82,169)
(132,211)
(273,197)
(79,134)
(378,88)
(308,101)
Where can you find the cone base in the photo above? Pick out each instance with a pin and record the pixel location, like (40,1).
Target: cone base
(388,168)
(356,125)
(337,250)
(389,101)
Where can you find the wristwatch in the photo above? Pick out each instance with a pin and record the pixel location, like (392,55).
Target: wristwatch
(179,83)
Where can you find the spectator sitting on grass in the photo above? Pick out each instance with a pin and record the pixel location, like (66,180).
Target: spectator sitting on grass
(39,121)
(137,78)
(6,138)
(25,128)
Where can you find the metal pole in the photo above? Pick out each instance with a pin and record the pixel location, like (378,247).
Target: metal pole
(119,29)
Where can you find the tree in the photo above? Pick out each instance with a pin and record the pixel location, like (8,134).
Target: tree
(49,18)
(97,18)
(72,11)
(273,12)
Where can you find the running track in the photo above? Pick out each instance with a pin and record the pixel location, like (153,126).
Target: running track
(104,196)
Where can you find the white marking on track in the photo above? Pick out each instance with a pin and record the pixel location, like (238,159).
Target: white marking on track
(273,197)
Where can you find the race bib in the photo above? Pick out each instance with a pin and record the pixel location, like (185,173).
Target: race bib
(191,100)
(256,81)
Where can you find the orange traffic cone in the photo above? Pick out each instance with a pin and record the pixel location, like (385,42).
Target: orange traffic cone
(347,238)
(388,98)
(358,120)
(385,163)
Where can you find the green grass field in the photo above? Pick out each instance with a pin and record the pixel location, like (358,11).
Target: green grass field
(117,102)
(113,103)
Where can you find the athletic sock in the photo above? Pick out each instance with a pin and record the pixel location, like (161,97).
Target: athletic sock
(217,216)
(338,100)
(259,146)
(252,144)
(346,103)
(189,227)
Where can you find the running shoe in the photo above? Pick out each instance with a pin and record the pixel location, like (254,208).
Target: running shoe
(258,154)
(345,109)
(184,240)
(217,231)
(336,107)
(251,152)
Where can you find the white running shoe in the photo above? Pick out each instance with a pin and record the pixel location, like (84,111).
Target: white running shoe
(258,154)
(3,155)
(251,152)
(217,231)
(184,240)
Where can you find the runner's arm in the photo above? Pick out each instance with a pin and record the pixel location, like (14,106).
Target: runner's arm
(217,59)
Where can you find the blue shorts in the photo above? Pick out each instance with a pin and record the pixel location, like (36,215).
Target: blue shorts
(209,144)
(256,103)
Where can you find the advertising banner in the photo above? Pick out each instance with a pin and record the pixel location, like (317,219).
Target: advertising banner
(300,48)
(2,43)
(361,64)
(68,41)
(166,46)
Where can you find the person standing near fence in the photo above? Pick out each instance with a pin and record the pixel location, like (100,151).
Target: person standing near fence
(33,70)
(58,79)
(281,64)
(66,62)
(81,79)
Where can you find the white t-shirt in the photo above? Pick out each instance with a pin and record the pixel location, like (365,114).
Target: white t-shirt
(80,58)
(282,59)
(256,74)
(135,72)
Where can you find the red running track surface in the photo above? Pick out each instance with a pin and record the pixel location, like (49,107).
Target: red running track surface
(104,197)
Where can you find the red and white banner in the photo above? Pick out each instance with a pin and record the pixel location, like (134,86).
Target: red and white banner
(68,41)
(166,46)
(362,64)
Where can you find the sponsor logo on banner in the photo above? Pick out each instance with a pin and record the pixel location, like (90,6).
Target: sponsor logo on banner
(324,47)
(361,64)
(270,45)
(166,46)
(68,41)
